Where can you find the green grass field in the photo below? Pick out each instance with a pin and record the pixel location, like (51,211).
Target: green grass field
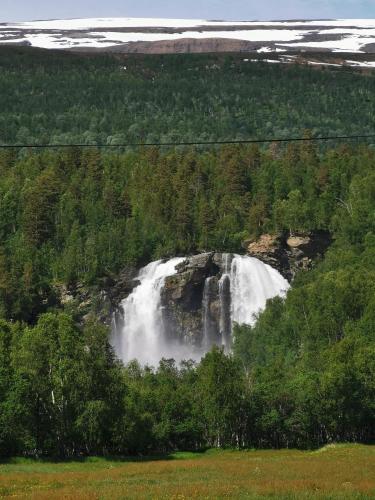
(334,472)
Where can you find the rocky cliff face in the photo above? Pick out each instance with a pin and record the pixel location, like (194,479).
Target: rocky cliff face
(99,301)
(290,254)
(196,301)
(191,298)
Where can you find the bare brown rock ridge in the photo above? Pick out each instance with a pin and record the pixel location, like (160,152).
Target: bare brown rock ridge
(289,253)
(184,46)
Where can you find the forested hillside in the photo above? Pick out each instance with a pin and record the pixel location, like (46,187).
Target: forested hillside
(54,97)
(80,215)
(303,376)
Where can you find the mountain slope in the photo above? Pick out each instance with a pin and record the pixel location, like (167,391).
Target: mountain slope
(137,35)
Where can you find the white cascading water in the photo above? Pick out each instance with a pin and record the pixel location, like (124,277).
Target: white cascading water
(206,319)
(225,301)
(252,284)
(141,335)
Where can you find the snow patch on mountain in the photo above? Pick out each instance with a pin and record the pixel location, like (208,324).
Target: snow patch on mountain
(341,35)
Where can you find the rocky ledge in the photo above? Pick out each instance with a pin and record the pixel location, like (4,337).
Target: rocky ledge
(290,253)
(98,301)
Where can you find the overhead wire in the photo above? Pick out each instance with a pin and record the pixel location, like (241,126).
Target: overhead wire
(190,143)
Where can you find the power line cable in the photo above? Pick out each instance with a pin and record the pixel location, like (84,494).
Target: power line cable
(187,143)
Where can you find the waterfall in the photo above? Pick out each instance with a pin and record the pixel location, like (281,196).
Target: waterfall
(208,326)
(140,335)
(225,302)
(252,284)
(242,291)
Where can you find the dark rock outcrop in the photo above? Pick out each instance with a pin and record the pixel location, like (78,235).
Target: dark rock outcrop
(120,287)
(99,301)
(186,287)
(290,253)
(195,284)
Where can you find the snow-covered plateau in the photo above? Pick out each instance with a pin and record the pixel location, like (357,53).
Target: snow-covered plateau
(153,35)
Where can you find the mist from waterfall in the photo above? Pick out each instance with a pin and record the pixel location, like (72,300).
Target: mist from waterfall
(243,289)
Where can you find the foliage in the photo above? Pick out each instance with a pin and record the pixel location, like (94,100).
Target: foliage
(76,216)
(69,98)
(302,376)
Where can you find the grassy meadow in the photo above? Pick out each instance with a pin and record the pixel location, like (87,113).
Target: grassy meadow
(334,472)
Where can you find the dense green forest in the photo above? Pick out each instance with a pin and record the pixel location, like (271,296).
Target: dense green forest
(75,215)
(303,376)
(56,97)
